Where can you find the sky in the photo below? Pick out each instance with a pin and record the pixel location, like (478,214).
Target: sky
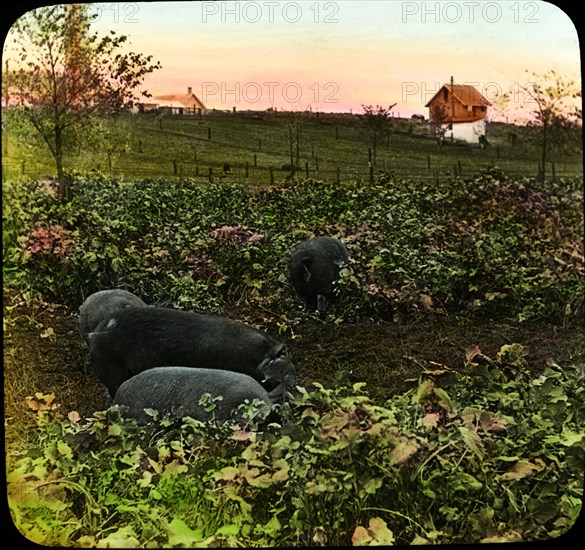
(337,56)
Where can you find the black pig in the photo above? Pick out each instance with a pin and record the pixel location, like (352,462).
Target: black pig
(101,305)
(137,339)
(178,390)
(314,267)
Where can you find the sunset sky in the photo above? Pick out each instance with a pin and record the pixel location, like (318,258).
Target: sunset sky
(337,56)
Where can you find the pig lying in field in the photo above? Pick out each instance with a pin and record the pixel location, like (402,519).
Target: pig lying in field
(101,305)
(136,339)
(178,390)
(314,267)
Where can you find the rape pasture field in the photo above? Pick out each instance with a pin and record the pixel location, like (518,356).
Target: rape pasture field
(440,401)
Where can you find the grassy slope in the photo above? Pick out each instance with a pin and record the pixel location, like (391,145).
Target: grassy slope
(330,142)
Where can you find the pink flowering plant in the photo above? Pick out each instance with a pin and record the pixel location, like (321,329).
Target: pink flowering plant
(46,242)
(236,234)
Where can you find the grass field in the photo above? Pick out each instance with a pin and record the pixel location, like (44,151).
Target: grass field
(257,147)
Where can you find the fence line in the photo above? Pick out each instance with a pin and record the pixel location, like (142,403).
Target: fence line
(249,173)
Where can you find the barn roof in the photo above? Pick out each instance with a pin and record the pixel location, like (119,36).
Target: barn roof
(466,94)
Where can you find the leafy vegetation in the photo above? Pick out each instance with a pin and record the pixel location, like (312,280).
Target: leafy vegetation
(485,448)
(489,453)
(491,245)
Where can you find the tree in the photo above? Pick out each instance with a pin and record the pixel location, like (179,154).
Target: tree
(111,136)
(553,104)
(377,125)
(438,116)
(61,75)
(294,123)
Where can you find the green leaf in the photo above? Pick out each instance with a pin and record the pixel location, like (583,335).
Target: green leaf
(472,440)
(125,537)
(181,534)
(570,438)
(521,469)
(64,449)
(465,482)
(117,265)
(228,530)
(424,391)
(372,485)
(377,534)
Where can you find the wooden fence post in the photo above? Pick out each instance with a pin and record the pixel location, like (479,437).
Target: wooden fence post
(210,174)
(255,161)
(208,133)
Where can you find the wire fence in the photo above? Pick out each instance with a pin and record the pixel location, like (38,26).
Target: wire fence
(251,173)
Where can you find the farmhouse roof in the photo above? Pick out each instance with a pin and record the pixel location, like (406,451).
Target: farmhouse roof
(179,100)
(466,94)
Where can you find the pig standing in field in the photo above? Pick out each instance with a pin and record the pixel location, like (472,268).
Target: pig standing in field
(177,391)
(314,267)
(101,305)
(137,339)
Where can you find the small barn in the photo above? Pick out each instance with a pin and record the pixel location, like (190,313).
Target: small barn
(175,104)
(460,111)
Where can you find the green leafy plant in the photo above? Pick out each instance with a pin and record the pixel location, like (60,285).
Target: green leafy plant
(485,453)
(489,246)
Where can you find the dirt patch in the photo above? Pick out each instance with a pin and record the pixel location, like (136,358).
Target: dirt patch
(390,357)
(44,352)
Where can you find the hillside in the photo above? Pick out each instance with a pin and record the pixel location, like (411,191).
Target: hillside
(257,147)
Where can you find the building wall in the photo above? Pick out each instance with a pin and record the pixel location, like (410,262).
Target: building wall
(466,131)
